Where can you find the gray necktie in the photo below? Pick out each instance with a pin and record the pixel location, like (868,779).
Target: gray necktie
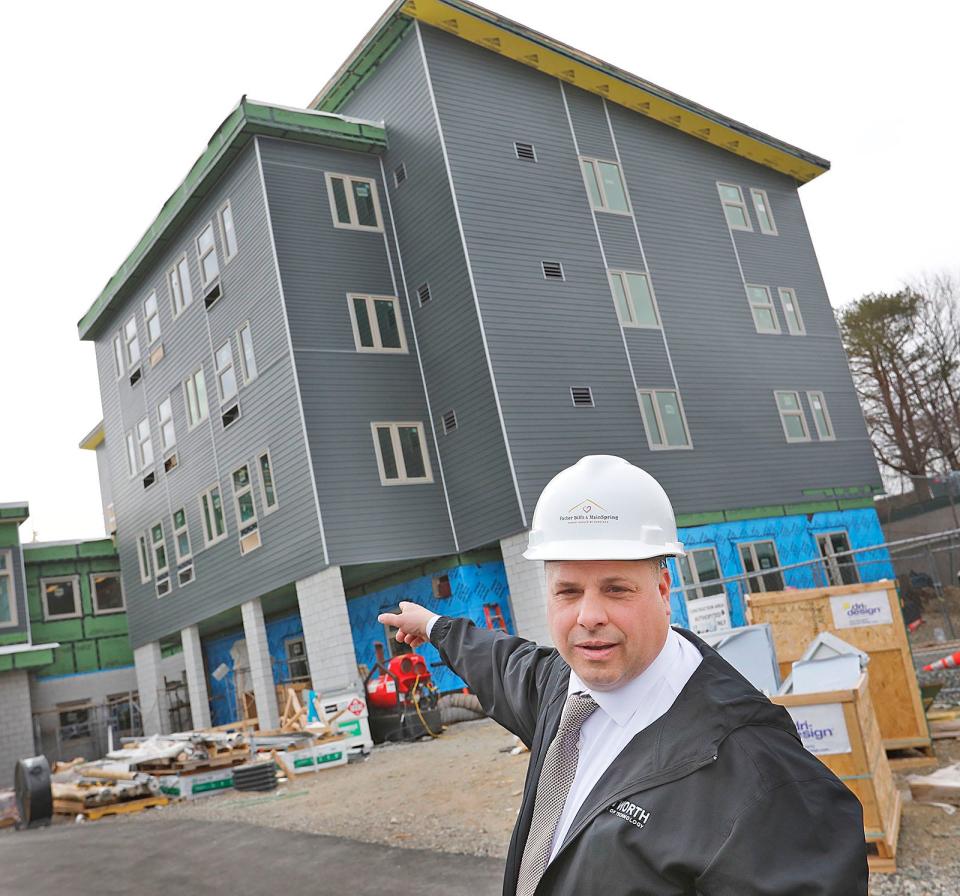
(556,778)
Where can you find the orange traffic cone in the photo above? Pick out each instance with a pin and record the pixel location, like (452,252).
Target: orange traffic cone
(948,662)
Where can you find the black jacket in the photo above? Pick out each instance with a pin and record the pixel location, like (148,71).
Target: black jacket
(716,798)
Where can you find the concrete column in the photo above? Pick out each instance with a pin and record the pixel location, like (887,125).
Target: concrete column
(326,632)
(196,680)
(16,728)
(261,668)
(146,660)
(528,590)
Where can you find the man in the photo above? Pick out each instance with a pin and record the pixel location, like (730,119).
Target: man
(655,768)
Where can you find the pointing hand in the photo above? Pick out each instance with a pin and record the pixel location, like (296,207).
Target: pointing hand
(410,622)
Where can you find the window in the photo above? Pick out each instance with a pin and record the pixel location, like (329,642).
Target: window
(757,556)
(143,556)
(168,435)
(159,545)
(248,363)
(131,454)
(151,318)
(144,445)
(181,536)
(761,306)
(663,419)
(377,324)
(525,152)
(211,509)
(207,253)
(792,417)
(228,234)
(181,293)
(761,205)
(61,597)
(441,586)
(399,174)
(8,596)
(734,207)
(698,570)
(268,491)
(401,453)
(552,270)
(791,312)
(107,593)
(118,355)
(354,202)
(246,510)
(131,342)
(449,421)
(839,565)
(821,416)
(605,186)
(423,294)
(195,389)
(226,377)
(74,722)
(634,301)
(582,396)
(295,649)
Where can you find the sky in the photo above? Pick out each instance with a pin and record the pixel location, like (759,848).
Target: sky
(106,106)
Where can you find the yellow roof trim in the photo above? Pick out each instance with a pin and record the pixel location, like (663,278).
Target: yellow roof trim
(93,439)
(474,24)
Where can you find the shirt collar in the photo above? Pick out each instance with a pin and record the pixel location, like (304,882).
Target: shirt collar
(622,703)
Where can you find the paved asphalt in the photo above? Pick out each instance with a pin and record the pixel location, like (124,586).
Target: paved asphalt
(184,857)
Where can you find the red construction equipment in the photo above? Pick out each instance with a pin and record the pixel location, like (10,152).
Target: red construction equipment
(402,699)
(952,661)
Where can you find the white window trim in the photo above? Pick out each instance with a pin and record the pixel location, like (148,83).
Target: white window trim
(130,440)
(227,258)
(127,342)
(93,593)
(656,408)
(200,256)
(176,531)
(694,590)
(203,519)
(626,290)
(158,573)
(175,272)
(403,479)
(267,510)
(769,305)
(186,398)
(119,359)
(831,436)
(253,524)
(247,379)
(759,574)
(352,203)
(218,370)
(754,192)
(140,443)
(77,598)
(173,444)
(14,620)
(146,318)
(830,562)
(376,348)
(798,413)
(741,204)
(791,298)
(143,558)
(595,162)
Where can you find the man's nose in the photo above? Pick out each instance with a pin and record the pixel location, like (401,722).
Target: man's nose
(593,611)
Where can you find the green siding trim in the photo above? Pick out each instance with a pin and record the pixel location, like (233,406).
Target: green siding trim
(115,652)
(688,520)
(61,662)
(33,658)
(42,553)
(810,507)
(16,513)
(752,513)
(855,503)
(9,535)
(8,638)
(246,121)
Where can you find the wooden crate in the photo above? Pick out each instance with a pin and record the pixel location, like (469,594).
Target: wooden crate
(862,766)
(797,617)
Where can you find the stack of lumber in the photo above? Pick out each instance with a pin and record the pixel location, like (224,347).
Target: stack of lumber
(202,750)
(944,723)
(8,808)
(942,786)
(97,789)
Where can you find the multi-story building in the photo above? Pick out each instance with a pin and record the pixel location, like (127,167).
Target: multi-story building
(359,339)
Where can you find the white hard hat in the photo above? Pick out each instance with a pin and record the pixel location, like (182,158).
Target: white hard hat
(603,508)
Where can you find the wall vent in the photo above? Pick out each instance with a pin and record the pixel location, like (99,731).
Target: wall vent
(423,294)
(525,152)
(449,422)
(170,463)
(149,479)
(552,270)
(230,415)
(582,396)
(163,586)
(399,174)
(135,376)
(212,295)
(185,574)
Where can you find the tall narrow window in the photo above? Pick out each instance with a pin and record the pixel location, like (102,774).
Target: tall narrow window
(377,324)
(143,556)
(268,490)
(354,202)
(698,570)
(132,465)
(151,318)
(604,182)
(168,436)
(756,557)
(246,509)
(227,232)
(207,253)
(761,306)
(663,419)
(132,342)
(839,564)
(735,209)
(8,598)
(118,355)
(181,294)
(634,301)
(195,389)
(791,311)
(821,416)
(792,418)
(159,546)
(181,536)
(211,509)
(761,205)
(144,444)
(401,453)
(226,376)
(248,362)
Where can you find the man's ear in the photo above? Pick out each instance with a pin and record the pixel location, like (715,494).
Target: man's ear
(663,585)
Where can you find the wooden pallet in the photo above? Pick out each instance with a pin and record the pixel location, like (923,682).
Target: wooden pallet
(885,861)
(906,759)
(93,813)
(211,763)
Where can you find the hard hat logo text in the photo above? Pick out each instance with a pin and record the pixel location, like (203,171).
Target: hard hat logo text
(588,511)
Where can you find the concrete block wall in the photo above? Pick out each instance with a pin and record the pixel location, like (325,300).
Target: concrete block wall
(196,679)
(326,631)
(528,590)
(261,667)
(147,660)
(16,723)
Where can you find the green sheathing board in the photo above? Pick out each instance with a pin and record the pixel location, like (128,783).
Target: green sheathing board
(9,534)
(688,520)
(90,642)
